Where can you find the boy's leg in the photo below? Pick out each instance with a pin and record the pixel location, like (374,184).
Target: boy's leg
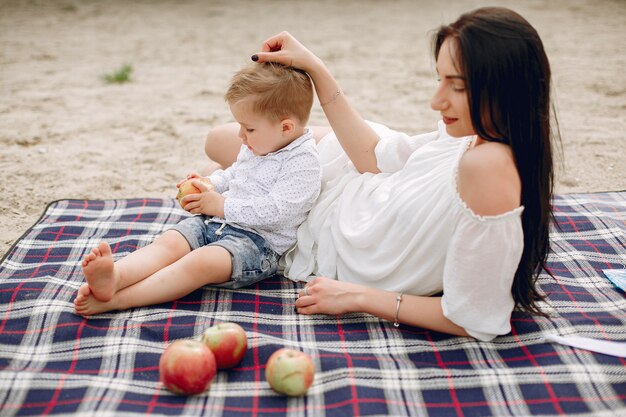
(105,277)
(206,265)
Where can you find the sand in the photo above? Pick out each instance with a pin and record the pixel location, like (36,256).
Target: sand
(65,133)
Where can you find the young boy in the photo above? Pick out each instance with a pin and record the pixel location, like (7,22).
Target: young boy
(244,223)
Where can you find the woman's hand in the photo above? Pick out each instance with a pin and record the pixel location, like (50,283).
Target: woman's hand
(328,296)
(207,202)
(357,138)
(285,49)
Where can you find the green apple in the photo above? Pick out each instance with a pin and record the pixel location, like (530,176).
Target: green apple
(290,372)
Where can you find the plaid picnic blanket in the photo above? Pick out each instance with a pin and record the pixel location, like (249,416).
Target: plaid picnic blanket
(53,362)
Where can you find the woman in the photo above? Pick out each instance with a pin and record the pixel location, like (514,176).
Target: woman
(463,211)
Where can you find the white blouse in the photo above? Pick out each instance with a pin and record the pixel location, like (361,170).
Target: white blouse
(407,229)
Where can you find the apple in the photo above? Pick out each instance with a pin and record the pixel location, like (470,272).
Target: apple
(229,343)
(187,188)
(290,371)
(187,367)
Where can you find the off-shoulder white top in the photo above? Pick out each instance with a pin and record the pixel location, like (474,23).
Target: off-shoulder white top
(407,229)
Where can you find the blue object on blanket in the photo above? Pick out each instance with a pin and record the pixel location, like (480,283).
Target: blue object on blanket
(617,277)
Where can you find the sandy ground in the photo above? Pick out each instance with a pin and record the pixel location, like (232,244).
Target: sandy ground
(65,133)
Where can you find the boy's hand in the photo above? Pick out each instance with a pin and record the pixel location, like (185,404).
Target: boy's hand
(207,202)
(189,176)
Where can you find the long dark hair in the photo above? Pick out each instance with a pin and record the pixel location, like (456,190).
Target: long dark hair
(508,82)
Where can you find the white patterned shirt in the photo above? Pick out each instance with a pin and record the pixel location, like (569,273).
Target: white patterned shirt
(271,194)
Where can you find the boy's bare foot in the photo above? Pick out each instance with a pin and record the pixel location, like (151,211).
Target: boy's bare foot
(100,272)
(85,304)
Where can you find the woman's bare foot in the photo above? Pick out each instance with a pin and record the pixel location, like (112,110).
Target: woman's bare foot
(85,304)
(100,272)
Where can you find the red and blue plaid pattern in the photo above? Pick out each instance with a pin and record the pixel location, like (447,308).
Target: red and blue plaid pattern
(53,362)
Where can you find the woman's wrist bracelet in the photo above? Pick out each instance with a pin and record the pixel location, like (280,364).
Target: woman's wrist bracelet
(396,323)
(332,100)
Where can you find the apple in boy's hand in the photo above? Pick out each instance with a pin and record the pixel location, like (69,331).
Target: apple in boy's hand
(187,367)
(186,188)
(290,371)
(229,343)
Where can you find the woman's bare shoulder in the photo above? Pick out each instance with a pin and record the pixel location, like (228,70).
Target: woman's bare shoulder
(488,181)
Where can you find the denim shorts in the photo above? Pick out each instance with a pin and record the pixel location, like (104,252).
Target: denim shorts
(253,259)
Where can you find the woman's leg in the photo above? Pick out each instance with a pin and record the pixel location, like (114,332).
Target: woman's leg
(223,143)
(206,265)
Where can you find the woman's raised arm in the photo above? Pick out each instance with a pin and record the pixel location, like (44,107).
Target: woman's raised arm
(357,138)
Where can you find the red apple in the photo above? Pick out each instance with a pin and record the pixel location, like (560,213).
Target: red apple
(187,188)
(229,343)
(187,367)
(290,371)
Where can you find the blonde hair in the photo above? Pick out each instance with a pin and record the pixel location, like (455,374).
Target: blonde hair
(279,91)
